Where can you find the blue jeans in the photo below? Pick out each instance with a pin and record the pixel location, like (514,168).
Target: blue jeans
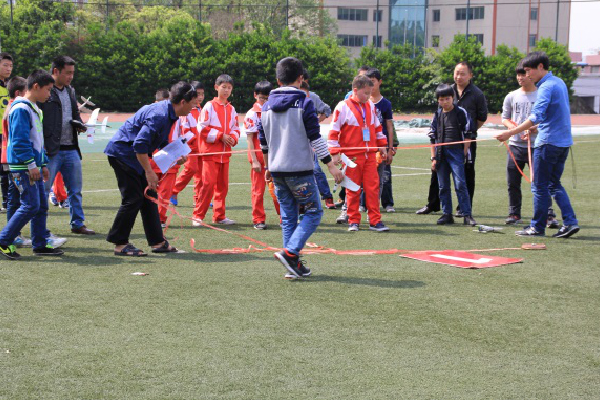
(293,191)
(453,161)
(33,207)
(68,163)
(548,166)
(321,179)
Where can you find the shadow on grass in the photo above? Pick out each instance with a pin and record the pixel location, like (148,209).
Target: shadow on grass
(382,283)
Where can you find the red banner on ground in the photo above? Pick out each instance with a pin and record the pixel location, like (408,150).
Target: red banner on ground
(461,259)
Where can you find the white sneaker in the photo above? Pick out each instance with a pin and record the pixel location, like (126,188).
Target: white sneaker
(196,222)
(20,241)
(390,209)
(226,221)
(55,241)
(362,209)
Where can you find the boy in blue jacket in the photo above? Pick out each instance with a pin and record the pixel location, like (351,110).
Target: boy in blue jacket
(289,132)
(27,162)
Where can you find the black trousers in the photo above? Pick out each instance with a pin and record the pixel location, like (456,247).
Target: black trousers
(132,185)
(433,201)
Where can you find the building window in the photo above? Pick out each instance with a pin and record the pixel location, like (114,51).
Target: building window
(352,40)
(435,41)
(377,40)
(474,13)
(533,14)
(595,69)
(353,14)
(436,15)
(479,37)
(377,15)
(532,40)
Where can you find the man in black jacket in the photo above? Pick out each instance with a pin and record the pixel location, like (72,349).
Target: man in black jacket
(60,139)
(472,99)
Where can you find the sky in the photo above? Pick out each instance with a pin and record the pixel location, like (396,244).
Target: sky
(585,27)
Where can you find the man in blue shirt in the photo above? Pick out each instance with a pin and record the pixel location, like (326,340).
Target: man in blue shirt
(128,154)
(552,116)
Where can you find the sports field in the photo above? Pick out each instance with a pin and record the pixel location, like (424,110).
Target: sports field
(362,327)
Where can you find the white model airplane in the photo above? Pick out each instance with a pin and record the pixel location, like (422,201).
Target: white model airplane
(347,182)
(86,102)
(91,125)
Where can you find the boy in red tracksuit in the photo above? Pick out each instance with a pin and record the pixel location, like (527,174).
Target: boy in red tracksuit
(355,124)
(255,157)
(219,132)
(193,166)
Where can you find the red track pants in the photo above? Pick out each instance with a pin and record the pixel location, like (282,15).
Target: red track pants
(215,181)
(165,188)
(59,188)
(191,168)
(257,195)
(365,174)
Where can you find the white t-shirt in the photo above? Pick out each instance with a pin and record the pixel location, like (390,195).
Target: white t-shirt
(517,107)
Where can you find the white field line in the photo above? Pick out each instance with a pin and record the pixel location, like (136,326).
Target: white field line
(416,169)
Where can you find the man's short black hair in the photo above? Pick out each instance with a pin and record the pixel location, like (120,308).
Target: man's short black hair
(362,68)
(288,70)
(444,90)
(520,69)
(263,87)
(41,77)
(197,84)
(305,86)
(60,62)
(373,73)
(224,79)
(532,60)
(465,64)
(305,74)
(16,83)
(162,94)
(5,56)
(182,91)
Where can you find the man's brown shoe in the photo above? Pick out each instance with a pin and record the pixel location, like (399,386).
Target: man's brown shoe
(83,230)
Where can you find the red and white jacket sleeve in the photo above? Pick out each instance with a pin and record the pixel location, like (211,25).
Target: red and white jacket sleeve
(234,126)
(339,119)
(210,131)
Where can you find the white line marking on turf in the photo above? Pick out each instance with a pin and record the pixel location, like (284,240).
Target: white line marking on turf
(190,186)
(416,169)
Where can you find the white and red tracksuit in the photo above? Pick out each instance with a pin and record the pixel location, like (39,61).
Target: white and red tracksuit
(193,166)
(216,120)
(257,178)
(349,119)
(167,180)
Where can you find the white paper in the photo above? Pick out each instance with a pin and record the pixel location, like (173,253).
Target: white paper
(168,156)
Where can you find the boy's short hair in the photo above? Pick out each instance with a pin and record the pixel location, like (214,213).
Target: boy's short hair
(16,83)
(361,82)
(5,56)
(532,60)
(305,74)
(520,69)
(182,91)
(197,84)
(304,85)
(288,70)
(444,90)
(263,87)
(41,77)
(362,68)
(465,64)
(224,79)
(60,62)
(373,73)
(162,94)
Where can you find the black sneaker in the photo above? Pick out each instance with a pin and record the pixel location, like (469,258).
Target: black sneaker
(445,219)
(552,223)
(304,270)
(529,231)
(48,251)
(425,210)
(290,262)
(469,220)
(566,230)
(260,226)
(512,219)
(10,252)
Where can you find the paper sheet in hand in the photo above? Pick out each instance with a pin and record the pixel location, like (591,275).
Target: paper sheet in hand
(166,157)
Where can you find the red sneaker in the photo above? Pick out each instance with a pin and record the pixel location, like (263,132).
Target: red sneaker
(329,203)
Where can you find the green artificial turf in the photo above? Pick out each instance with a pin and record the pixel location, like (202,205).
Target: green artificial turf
(362,327)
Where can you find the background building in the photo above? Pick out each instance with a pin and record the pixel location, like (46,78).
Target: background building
(434,23)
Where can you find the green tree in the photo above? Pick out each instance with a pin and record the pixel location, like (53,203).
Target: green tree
(560,61)
(500,75)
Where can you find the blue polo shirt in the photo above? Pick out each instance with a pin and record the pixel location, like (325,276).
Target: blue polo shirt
(551,111)
(143,133)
